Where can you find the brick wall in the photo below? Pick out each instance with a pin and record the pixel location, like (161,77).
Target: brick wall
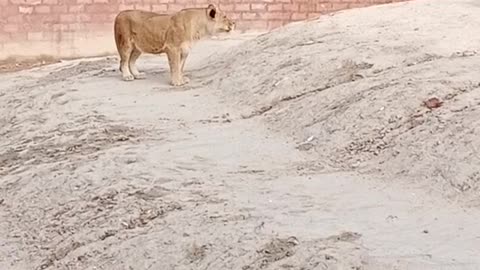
(71,28)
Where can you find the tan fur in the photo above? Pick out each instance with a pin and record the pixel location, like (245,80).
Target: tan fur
(138,32)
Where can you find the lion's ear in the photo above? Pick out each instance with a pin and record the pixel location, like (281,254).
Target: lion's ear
(211,11)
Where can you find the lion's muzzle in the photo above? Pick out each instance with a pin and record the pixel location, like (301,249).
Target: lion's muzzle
(230,27)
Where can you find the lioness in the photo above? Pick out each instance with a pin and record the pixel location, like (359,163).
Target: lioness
(138,32)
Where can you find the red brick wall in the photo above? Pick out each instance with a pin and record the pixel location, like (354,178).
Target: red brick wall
(61,22)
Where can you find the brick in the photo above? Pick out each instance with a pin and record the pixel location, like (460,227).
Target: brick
(84,1)
(185,3)
(52,36)
(100,1)
(18,36)
(4,38)
(59,9)
(334,6)
(314,15)
(35,36)
(40,21)
(25,9)
(258,7)
(327,6)
(275,24)
(101,8)
(132,1)
(67,18)
(174,7)
(284,1)
(276,16)
(42,9)
(229,7)
(125,7)
(160,8)
(250,16)
(50,2)
(203,3)
(83,18)
(26,2)
(99,26)
(298,16)
(144,7)
(235,16)
(76,26)
(9,10)
(306,8)
(196,5)
(356,5)
(59,27)
(150,1)
(250,25)
(291,7)
(10,28)
(242,7)
(76,8)
(3,2)
(15,19)
(275,7)
(99,19)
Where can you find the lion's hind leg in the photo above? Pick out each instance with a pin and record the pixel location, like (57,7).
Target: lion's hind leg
(125,53)
(133,68)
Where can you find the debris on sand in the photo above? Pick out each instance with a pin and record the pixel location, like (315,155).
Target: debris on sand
(433,103)
(345,237)
(278,249)
(196,253)
(308,144)
(275,250)
(333,252)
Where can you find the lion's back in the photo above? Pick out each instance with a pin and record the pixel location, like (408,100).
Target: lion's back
(135,15)
(127,19)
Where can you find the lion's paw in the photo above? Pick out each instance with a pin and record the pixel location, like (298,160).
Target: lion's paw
(140,76)
(128,77)
(180,82)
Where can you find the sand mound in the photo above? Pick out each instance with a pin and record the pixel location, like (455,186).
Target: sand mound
(355,84)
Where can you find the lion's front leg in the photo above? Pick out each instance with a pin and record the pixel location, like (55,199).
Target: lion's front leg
(185,49)
(184,55)
(183,58)
(175,62)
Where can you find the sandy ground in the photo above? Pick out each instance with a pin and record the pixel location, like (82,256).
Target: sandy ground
(356,83)
(226,173)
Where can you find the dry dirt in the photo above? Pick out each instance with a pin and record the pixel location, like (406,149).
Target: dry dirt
(315,146)
(13,64)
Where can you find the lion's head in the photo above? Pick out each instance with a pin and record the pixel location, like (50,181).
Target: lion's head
(219,21)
